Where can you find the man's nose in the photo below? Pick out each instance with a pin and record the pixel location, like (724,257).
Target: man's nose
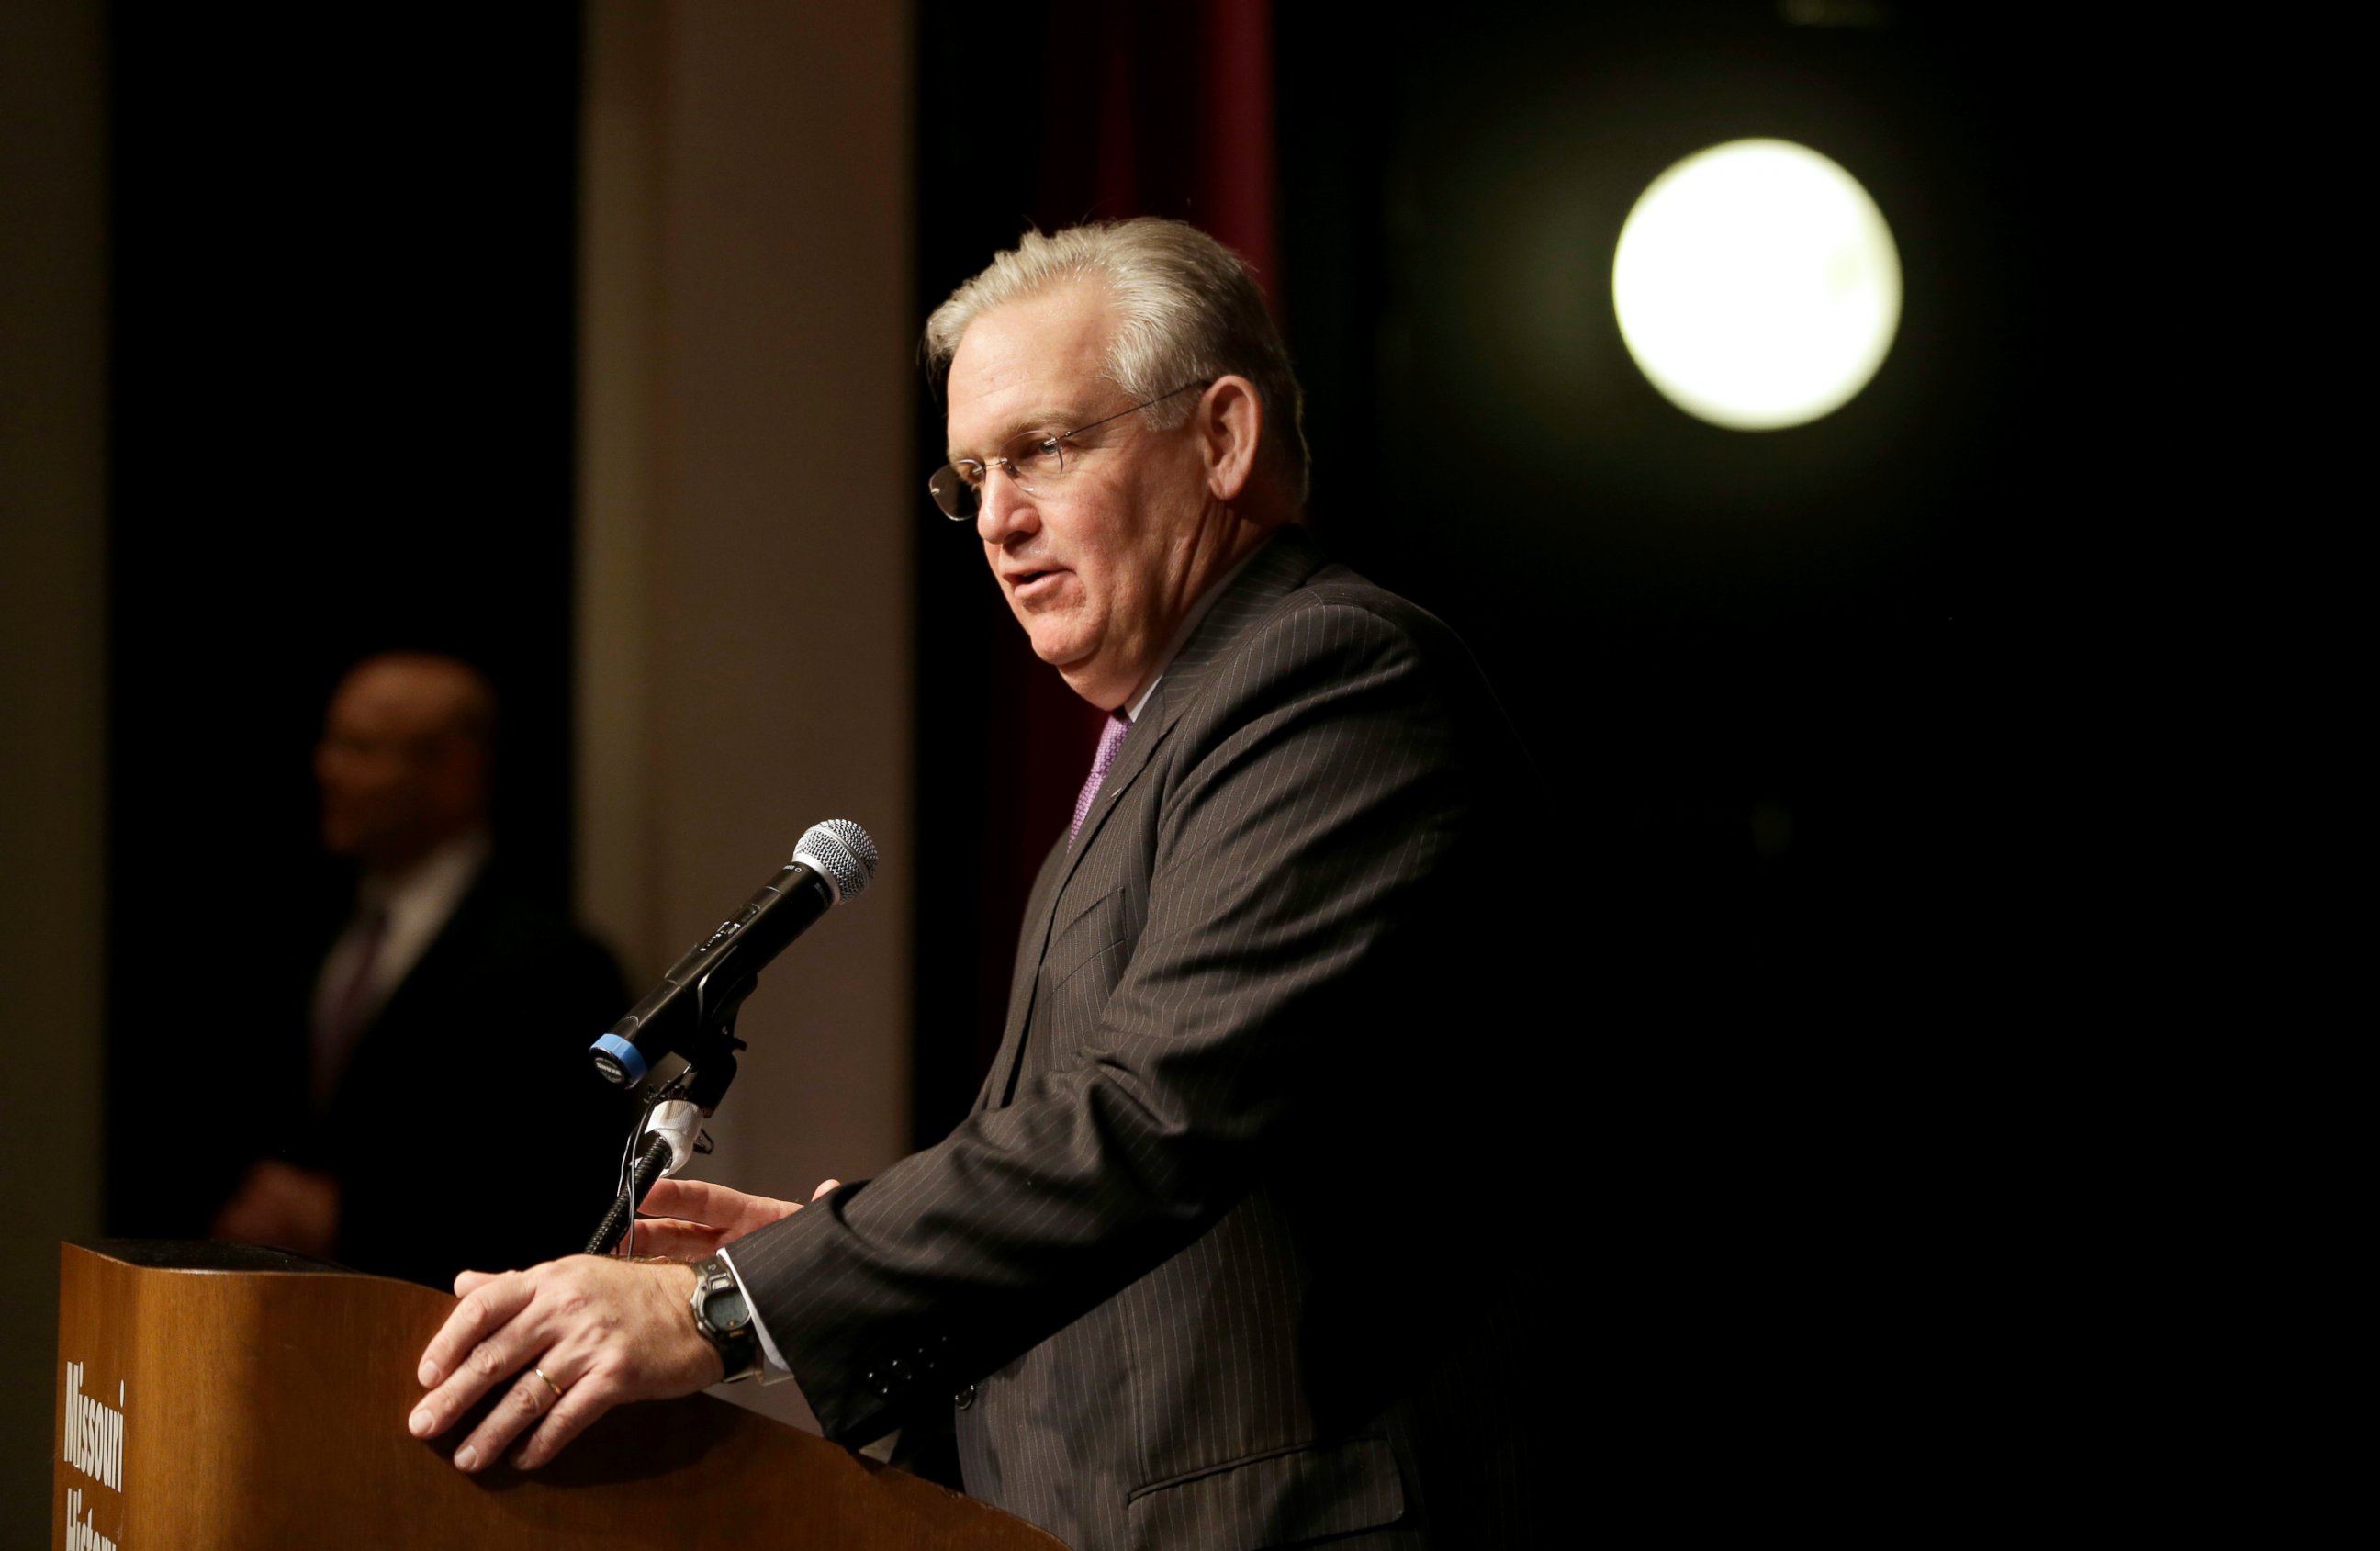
(1004,508)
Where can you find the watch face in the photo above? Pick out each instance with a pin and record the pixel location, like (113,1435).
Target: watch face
(721,1315)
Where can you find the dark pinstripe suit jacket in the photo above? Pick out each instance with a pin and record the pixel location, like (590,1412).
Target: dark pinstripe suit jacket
(1210,1265)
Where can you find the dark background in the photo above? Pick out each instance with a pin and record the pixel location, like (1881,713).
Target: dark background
(341,420)
(1776,682)
(1760,669)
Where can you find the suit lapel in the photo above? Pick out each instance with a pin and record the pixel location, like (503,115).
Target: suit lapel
(1287,560)
(1023,978)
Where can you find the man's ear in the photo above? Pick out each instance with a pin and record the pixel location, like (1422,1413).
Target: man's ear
(1230,425)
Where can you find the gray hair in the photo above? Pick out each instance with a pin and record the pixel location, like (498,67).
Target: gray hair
(1191,312)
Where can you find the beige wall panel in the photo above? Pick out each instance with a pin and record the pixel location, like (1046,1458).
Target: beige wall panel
(749,513)
(52,681)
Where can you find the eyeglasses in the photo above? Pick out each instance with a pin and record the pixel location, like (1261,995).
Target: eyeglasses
(1035,460)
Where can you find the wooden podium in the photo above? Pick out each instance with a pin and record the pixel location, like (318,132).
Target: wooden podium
(224,1395)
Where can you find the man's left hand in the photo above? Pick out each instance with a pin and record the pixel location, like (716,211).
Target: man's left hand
(692,1219)
(602,1332)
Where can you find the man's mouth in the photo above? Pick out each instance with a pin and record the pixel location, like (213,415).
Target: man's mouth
(1027,584)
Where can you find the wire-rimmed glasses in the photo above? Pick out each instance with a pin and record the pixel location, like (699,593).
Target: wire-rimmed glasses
(1035,460)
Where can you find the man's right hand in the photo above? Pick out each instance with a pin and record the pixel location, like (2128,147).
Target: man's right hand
(691,1218)
(566,1341)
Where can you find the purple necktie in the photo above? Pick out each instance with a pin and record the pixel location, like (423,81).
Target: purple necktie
(1110,739)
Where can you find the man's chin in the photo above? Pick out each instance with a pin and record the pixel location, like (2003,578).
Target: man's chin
(1064,653)
(1085,672)
(1097,683)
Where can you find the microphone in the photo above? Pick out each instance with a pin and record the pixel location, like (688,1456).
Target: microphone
(834,861)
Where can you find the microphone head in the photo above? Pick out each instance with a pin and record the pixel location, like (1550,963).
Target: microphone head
(839,851)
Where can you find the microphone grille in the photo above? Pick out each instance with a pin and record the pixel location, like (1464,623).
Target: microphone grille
(841,851)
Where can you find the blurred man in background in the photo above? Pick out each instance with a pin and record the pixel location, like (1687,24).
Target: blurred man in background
(450,1017)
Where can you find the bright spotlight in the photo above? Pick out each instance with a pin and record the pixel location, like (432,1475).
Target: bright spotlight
(1756,285)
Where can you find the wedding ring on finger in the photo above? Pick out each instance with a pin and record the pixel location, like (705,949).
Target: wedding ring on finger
(549,1382)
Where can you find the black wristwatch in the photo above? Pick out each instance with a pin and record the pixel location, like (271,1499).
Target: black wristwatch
(720,1314)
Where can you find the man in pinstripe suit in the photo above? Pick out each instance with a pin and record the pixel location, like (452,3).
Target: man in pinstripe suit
(1227,1253)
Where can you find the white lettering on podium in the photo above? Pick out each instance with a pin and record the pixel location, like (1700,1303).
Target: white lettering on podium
(82,1531)
(94,1433)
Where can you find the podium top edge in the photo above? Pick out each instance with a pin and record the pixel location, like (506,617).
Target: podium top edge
(207,1255)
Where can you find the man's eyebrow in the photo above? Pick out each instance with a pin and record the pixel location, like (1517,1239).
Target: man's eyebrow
(1047,419)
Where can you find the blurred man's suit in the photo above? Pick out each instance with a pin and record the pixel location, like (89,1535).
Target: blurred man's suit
(473,1077)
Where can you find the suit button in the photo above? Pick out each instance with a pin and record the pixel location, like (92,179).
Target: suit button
(965,1397)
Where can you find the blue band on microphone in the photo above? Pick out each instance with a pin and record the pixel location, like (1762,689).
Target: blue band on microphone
(631,1059)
